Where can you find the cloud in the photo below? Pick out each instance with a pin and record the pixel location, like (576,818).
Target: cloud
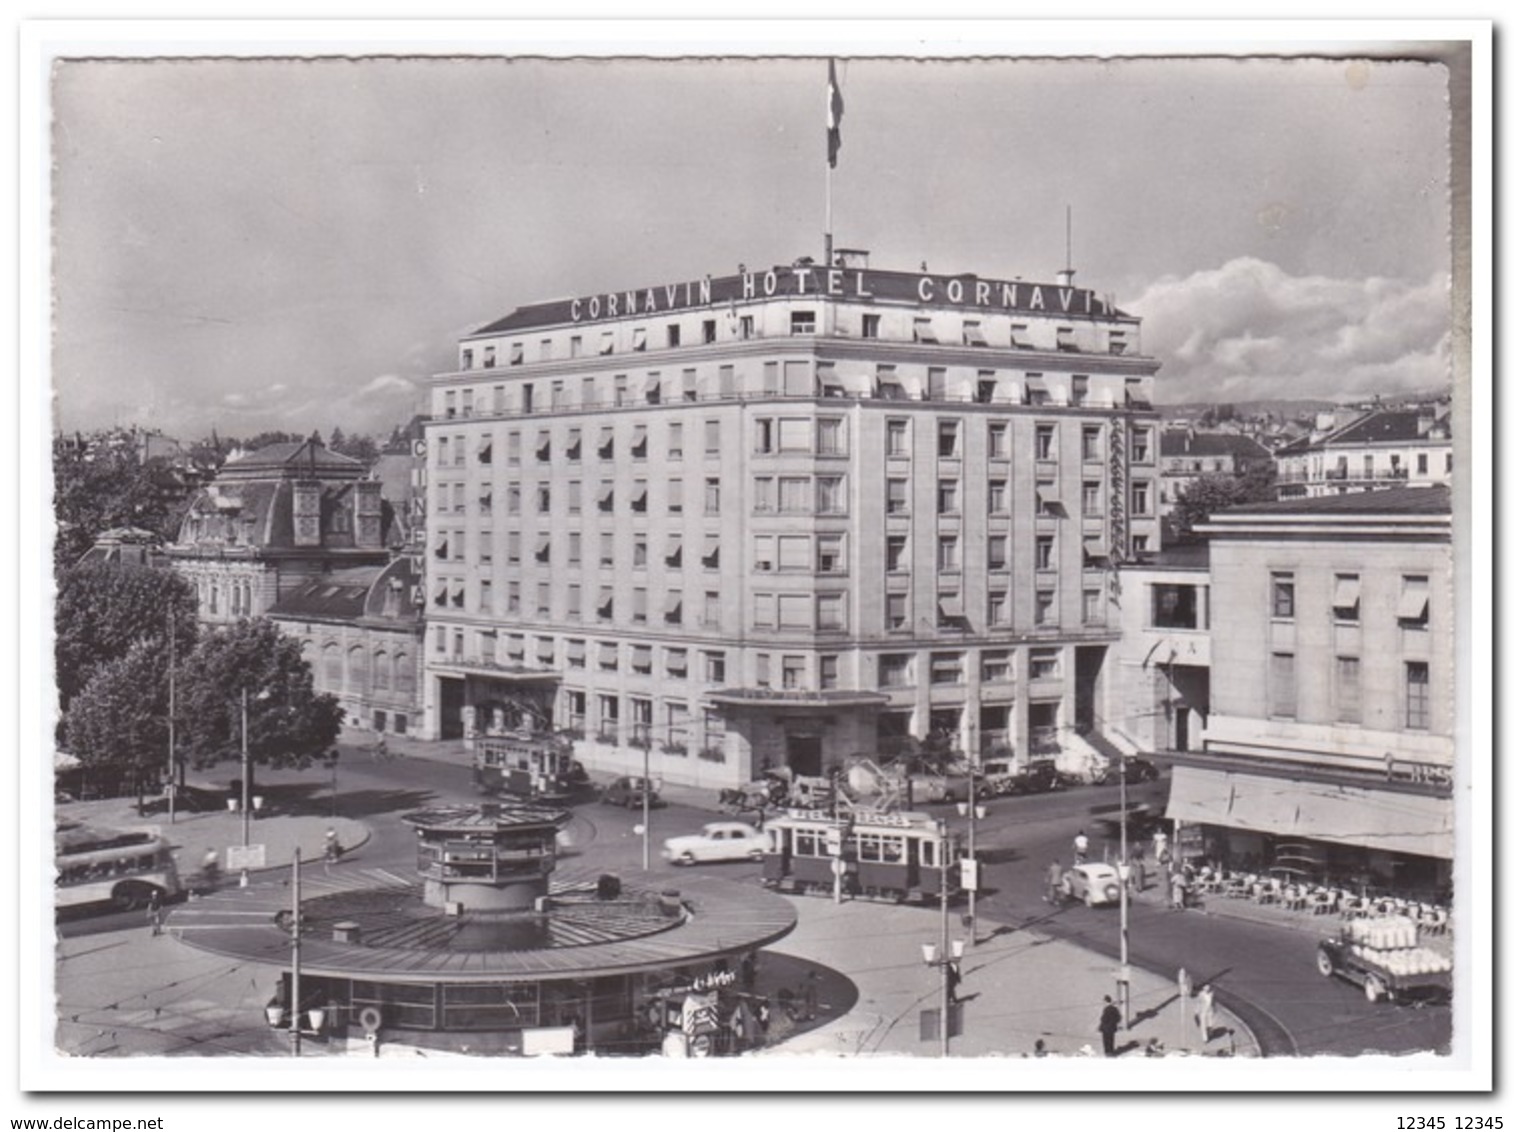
(1250,331)
(388,383)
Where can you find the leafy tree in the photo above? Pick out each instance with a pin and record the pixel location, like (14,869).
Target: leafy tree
(264,439)
(359,447)
(102,487)
(119,721)
(288,723)
(1215,491)
(103,611)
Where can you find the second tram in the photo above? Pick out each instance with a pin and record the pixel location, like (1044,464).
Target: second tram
(894,856)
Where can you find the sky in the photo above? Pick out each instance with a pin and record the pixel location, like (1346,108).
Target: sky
(247,245)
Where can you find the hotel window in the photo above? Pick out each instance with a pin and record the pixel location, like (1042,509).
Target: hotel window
(574,448)
(792,672)
(485,547)
(987,384)
(1417,695)
(802,322)
(765,442)
(543,499)
(948,439)
(575,496)
(726,381)
(972,333)
(712,438)
(639,339)
(641,660)
(639,552)
(896,551)
(672,551)
(1046,606)
(1079,391)
(951,612)
(622,390)
(675,497)
(896,434)
(559,396)
(512,499)
(762,494)
(897,498)
(527,403)
(830,439)
(605,607)
(998,441)
(512,547)
(1140,446)
(830,611)
(764,670)
(577,654)
(1348,689)
(830,553)
(764,611)
(708,329)
(1140,544)
(894,670)
(1045,664)
(896,611)
(1346,601)
(607,550)
(1093,606)
(609,718)
(675,334)
(793,494)
(710,556)
(770,387)
(512,597)
(948,500)
(467,359)
(1046,442)
(924,331)
(676,663)
(1093,497)
(889,387)
(712,495)
(1065,339)
(1414,602)
(946,668)
(998,497)
(935,384)
(830,495)
(1140,498)
(512,448)
(639,442)
(467,402)
(746,327)
(712,605)
(575,601)
(794,611)
(1281,687)
(544,548)
(796,379)
(675,441)
(1422,463)
(870,323)
(606,496)
(795,435)
(996,666)
(1048,499)
(793,552)
(1174,606)
(714,668)
(1092,448)
(1282,596)
(998,552)
(1019,335)
(947,557)
(544,599)
(575,548)
(830,672)
(499,399)
(998,607)
(1046,552)
(639,497)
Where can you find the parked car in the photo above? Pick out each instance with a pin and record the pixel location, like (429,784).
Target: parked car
(717,841)
(930,787)
(627,791)
(1137,769)
(1093,883)
(1038,778)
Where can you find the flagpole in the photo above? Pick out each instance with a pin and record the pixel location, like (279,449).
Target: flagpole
(827,260)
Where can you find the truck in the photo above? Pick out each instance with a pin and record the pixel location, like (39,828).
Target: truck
(1385,958)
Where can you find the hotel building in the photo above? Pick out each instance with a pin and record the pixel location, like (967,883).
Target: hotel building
(786,517)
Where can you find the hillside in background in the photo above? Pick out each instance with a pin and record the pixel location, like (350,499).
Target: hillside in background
(1290,409)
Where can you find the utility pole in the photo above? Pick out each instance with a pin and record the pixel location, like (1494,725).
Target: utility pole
(946,947)
(173,783)
(246,791)
(1124,902)
(646,806)
(294,970)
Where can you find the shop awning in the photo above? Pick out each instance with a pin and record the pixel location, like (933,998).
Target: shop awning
(1350,815)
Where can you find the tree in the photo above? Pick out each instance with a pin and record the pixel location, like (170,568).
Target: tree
(361,448)
(118,724)
(1215,491)
(103,611)
(100,486)
(288,723)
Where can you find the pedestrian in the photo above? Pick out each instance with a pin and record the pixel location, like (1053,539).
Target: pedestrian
(811,995)
(1159,846)
(210,868)
(1040,1050)
(1138,872)
(1080,848)
(1109,1025)
(333,847)
(953,979)
(1179,890)
(1054,883)
(1205,1013)
(155,912)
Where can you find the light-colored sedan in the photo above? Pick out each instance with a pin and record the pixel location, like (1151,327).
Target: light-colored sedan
(1093,883)
(718,841)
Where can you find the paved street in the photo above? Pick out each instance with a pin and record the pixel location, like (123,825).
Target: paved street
(1263,970)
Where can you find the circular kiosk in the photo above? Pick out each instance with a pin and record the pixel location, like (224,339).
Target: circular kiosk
(492,950)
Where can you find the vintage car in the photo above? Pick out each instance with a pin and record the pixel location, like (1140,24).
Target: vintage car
(717,841)
(1038,778)
(1093,883)
(627,791)
(1137,769)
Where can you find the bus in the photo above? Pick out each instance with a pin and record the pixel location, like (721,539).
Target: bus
(124,867)
(526,764)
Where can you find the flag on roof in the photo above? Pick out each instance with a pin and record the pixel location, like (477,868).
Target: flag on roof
(833,108)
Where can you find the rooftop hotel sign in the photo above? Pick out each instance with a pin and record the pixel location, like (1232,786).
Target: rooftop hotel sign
(823,283)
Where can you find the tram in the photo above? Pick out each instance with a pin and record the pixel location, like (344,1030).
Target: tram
(892,856)
(525,764)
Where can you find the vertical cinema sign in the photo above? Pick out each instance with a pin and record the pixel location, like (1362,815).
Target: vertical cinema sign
(837,283)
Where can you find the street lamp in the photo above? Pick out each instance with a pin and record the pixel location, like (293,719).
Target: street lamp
(1124,901)
(974,812)
(943,956)
(247,786)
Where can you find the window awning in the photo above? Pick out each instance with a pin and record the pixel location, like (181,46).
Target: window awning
(924,330)
(606,436)
(638,435)
(1350,815)
(674,546)
(486,449)
(544,446)
(972,334)
(607,342)
(606,493)
(517,353)
(576,650)
(439,595)
(639,495)
(543,545)
(1035,385)
(1348,591)
(711,546)
(545,649)
(950,605)
(654,391)
(639,338)
(606,596)
(674,605)
(1414,601)
(1048,494)
(641,655)
(515,646)
(1095,548)
(609,652)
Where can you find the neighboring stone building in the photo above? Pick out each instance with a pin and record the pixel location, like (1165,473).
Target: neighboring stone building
(125,546)
(786,517)
(1188,454)
(362,629)
(1386,448)
(275,519)
(1328,744)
